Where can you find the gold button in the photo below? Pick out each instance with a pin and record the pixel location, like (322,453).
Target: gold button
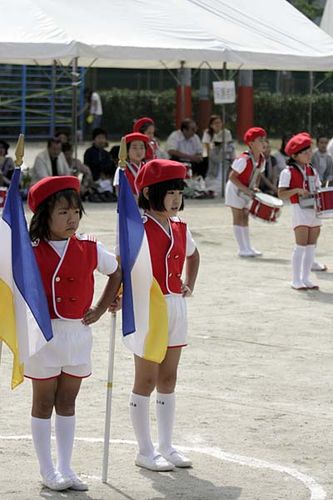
(58,299)
(176,256)
(57,279)
(170,274)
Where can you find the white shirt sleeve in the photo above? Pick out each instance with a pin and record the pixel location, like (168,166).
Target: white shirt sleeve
(173,141)
(106,261)
(190,243)
(239,165)
(284,180)
(206,139)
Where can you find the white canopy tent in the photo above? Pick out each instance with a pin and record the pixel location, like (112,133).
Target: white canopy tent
(259,34)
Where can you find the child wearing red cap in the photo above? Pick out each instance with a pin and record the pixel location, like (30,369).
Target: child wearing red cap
(146,126)
(67,261)
(136,144)
(243,181)
(298,182)
(160,184)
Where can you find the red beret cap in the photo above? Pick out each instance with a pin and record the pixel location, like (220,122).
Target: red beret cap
(140,122)
(297,143)
(136,136)
(156,171)
(48,186)
(252,133)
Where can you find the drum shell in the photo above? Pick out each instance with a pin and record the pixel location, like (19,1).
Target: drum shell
(324,203)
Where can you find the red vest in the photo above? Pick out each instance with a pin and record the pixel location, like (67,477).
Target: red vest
(297,180)
(246,175)
(68,281)
(131,172)
(167,253)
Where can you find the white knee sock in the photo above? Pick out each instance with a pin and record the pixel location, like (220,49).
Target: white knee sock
(41,436)
(64,431)
(297,264)
(139,413)
(238,232)
(246,235)
(308,261)
(165,414)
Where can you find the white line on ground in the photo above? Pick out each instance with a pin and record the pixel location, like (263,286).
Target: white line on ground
(316,490)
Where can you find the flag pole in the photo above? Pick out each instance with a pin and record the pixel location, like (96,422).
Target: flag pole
(122,164)
(109,386)
(19,153)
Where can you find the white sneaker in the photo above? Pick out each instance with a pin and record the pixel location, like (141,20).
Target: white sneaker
(316,266)
(177,459)
(255,252)
(57,482)
(246,254)
(311,286)
(155,463)
(298,286)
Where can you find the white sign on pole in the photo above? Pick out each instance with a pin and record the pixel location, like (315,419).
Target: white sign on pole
(224,92)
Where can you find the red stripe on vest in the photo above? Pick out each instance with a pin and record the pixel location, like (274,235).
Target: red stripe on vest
(246,175)
(297,180)
(167,254)
(70,290)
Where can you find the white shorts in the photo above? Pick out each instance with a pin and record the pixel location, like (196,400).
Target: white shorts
(69,352)
(232,199)
(304,216)
(177,319)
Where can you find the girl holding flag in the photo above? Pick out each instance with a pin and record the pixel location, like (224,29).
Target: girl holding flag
(160,184)
(66,261)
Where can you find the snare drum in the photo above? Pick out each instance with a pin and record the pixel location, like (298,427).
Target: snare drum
(324,203)
(3,194)
(266,207)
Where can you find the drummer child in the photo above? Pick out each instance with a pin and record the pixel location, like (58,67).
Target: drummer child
(298,182)
(243,182)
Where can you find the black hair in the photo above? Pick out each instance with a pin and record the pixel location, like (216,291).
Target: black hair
(157,192)
(146,126)
(98,131)
(39,224)
(212,119)
(186,124)
(66,146)
(5,145)
(53,140)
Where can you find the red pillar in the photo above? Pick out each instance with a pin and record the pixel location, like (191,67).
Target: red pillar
(245,108)
(183,96)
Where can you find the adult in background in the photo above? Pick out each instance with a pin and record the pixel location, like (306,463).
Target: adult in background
(323,162)
(97,158)
(184,145)
(49,162)
(212,142)
(7,165)
(94,102)
(269,177)
(281,155)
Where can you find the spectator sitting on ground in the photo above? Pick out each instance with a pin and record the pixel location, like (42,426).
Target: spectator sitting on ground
(49,162)
(269,178)
(7,165)
(96,157)
(323,162)
(185,145)
(63,136)
(79,169)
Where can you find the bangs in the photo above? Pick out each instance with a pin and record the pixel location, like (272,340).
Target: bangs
(70,195)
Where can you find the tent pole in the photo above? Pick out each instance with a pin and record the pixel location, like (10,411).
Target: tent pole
(75,83)
(311,81)
(224,148)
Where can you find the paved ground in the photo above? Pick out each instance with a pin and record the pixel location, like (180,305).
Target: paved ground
(254,398)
